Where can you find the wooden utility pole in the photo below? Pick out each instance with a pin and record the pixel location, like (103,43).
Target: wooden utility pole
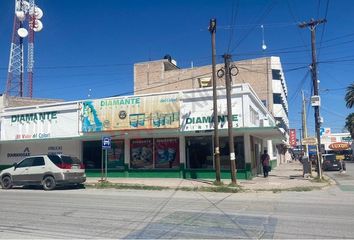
(212,30)
(227,59)
(312,26)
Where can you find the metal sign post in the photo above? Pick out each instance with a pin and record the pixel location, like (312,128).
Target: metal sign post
(106,144)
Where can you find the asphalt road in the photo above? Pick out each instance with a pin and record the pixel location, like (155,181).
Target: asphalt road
(345,181)
(91,213)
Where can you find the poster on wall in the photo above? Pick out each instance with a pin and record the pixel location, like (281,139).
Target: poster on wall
(166,153)
(141,153)
(134,112)
(115,155)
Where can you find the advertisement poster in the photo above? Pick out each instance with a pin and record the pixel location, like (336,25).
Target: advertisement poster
(115,154)
(39,125)
(292,137)
(166,153)
(141,153)
(134,112)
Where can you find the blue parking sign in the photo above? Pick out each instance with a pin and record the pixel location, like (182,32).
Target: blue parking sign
(106,142)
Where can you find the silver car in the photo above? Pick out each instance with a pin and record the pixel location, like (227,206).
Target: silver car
(46,170)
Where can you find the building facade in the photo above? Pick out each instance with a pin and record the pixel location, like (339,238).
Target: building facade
(265,75)
(152,135)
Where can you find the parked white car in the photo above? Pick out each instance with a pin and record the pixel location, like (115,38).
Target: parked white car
(46,170)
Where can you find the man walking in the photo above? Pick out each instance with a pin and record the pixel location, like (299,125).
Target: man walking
(265,163)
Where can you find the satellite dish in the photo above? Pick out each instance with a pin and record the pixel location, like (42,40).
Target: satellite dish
(22,32)
(20,15)
(37,12)
(38,25)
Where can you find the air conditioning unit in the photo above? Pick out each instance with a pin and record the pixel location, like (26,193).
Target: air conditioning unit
(204,82)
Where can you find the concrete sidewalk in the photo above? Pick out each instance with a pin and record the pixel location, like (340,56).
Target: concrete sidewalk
(284,177)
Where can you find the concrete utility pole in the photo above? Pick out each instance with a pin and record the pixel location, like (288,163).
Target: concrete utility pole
(212,30)
(312,26)
(304,128)
(227,59)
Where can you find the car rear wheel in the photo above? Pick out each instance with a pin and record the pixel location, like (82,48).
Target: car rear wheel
(6,182)
(48,183)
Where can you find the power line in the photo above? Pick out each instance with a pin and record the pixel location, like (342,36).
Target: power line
(265,13)
(233,19)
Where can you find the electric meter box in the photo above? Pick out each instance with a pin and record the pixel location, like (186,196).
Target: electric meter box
(315,101)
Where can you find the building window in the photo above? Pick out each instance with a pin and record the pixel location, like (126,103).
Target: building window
(277,98)
(141,153)
(276,74)
(199,152)
(167,153)
(115,155)
(254,116)
(92,155)
(239,153)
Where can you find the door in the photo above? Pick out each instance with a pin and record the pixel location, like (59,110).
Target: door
(35,172)
(21,170)
(257,151)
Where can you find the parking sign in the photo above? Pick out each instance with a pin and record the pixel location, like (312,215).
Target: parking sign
(106,142)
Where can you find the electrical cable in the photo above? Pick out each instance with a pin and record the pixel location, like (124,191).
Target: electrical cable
(265,13)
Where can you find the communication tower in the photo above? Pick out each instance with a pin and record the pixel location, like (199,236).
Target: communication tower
(26,22)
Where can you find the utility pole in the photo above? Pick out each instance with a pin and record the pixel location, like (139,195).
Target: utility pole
(304,125)
(227,58)
(301,149)
(304,129)
(312,26)
(212,30)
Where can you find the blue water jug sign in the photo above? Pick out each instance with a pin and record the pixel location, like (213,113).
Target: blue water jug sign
(106,142)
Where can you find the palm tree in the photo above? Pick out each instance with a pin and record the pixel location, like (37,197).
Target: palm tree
(349,124)
(349,96)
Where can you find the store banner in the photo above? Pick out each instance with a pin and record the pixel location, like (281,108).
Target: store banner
(44,124)
(292,137)
(166,153)
(197,115)
(133,112)
(141,153)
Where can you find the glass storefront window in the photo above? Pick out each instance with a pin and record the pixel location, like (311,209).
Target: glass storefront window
(115,155)
(92,155)
(166,153)
(199,152)
(239,152)
(141,153)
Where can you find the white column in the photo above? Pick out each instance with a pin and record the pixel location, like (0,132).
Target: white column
(182,150)
(247,146)
(126,150)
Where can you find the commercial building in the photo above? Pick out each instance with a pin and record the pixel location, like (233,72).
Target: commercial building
(165,134)
(265,75)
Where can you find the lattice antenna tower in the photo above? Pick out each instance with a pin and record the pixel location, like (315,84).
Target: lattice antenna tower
(26,23)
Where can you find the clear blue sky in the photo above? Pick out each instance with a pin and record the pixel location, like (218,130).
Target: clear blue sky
(94,44)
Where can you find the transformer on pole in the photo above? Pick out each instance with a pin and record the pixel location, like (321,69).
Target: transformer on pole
(26,13)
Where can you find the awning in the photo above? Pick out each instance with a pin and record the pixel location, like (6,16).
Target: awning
(269,133)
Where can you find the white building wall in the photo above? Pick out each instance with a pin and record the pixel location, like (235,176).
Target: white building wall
(15,151)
